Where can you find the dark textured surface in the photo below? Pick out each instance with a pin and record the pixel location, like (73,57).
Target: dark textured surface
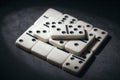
(20,65)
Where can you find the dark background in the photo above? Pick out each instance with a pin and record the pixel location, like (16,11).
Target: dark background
(17,15)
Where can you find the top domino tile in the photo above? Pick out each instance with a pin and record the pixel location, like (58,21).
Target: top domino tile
(50,13)
(70,31)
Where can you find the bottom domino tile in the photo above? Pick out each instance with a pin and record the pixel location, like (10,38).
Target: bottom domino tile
(74,64)
(57,57)
(41,49)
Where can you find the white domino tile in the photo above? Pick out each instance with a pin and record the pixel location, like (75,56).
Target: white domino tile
(57,57)
(100,36)
(75,46)
(78,46)
(74,64)
(26,41)
(42,33)
(41,49)
(50,13)
(62,31)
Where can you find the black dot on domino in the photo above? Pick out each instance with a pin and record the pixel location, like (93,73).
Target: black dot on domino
(80,32)
(59,22)
(64,19)
(66,16)
(70,26)
(76,67)
(44,31)
(99,38)
(76,44)
(75,29)
(63,32)
(87,25)
(71,32)
(73,20)
(33,40)
(30,31)
(102,32)
(80,62)
(67,64)
(53,26)
(90,34)
(47,23)
(53,22)
(61,42)
(58,29)
(79,26)
(72,58)
(37,31)
(95,29)
(20,40)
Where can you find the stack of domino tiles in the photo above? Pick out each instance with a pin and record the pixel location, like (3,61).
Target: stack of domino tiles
(62,40)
